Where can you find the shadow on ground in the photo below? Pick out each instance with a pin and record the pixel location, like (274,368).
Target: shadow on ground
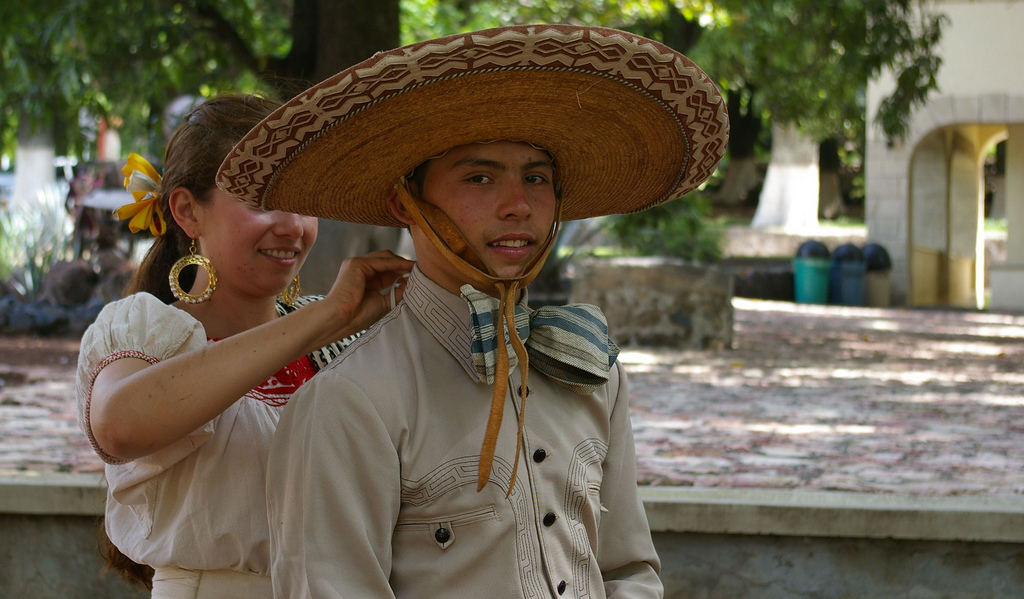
(810,397)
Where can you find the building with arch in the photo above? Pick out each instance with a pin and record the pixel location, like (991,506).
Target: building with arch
(925,194)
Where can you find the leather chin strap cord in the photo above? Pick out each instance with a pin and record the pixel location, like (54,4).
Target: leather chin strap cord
(448,240)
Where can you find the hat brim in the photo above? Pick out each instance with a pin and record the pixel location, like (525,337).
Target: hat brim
(630,123)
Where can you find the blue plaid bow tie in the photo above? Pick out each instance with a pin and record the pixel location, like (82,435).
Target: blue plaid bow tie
(569,344)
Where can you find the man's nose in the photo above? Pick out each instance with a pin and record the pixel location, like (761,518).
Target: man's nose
(515,202)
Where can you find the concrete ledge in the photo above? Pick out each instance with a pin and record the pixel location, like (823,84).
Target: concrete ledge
(676,509)
(52,494)
(713,544)
(835,514)
(748,242)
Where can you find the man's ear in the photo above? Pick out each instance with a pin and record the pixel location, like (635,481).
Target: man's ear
(186,211)
(398,209)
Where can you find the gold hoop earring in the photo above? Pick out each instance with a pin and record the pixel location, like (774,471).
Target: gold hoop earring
(291,293)
(190,260)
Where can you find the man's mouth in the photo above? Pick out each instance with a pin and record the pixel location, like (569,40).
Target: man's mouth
(511,243)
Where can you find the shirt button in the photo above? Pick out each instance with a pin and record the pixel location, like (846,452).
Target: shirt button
(442,535)
(539,455)
(519,391)
(549,518)
(561,587)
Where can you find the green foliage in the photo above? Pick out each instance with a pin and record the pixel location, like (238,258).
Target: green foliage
(678,229)
(173,48)
(810,60)
(41,59)
(802,61)
(127,59)
(424,19)
(997,225)
(32,239)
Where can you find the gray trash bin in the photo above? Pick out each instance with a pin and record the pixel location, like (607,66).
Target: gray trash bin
(877,292)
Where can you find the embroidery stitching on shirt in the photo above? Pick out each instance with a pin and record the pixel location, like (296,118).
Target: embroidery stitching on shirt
(463,471)
(586,454)
(445,326)
(106,457)
(278,389)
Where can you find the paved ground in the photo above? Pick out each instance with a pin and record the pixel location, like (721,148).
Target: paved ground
(827,398)
(810,397)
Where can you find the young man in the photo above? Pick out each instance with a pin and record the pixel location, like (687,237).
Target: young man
(468,446)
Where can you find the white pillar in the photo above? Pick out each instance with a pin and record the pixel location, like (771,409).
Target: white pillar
(1014,191)
(1008,279)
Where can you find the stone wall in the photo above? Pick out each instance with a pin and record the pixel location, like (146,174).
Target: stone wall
(658,301)
(717,566)
(49,538)
(56,556)
(713,543)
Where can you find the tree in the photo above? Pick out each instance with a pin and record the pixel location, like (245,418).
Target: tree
(129,59)
(331,36)
(800,64)
(808,62)
(37,87)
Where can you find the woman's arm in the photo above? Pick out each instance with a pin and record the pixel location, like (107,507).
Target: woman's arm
(137,408)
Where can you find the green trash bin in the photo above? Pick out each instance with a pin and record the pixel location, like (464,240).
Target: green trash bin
(811,272)
(810,280)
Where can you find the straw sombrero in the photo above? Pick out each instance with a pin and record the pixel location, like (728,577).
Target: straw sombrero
(630,122)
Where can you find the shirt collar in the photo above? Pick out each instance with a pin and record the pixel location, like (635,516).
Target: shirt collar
(446,316)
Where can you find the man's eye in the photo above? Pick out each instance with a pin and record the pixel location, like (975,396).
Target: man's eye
(536,179)
(479,179)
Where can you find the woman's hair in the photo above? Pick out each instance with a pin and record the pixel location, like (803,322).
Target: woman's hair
(193,155)
(139,575)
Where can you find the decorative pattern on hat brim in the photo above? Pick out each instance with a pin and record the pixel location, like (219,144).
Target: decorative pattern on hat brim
(630,122)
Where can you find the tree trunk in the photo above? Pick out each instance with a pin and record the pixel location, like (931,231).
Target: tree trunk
(350,31)
(34,170)
(830,193)
(741,174)
(332,35)
(346,32)
(789,198)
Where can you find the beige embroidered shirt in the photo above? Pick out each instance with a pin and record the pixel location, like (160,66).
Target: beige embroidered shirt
(372,483)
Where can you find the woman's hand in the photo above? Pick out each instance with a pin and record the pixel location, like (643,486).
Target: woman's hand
(361,293)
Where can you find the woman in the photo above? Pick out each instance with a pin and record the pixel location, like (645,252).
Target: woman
(181,383)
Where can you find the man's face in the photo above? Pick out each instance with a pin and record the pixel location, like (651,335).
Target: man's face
(501,196)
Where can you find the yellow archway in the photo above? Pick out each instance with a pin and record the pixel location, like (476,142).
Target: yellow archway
(945,212)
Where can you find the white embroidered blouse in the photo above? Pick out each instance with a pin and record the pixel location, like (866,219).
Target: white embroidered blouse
(199,503)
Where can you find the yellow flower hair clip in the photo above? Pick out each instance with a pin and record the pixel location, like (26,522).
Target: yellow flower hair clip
(143,182)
